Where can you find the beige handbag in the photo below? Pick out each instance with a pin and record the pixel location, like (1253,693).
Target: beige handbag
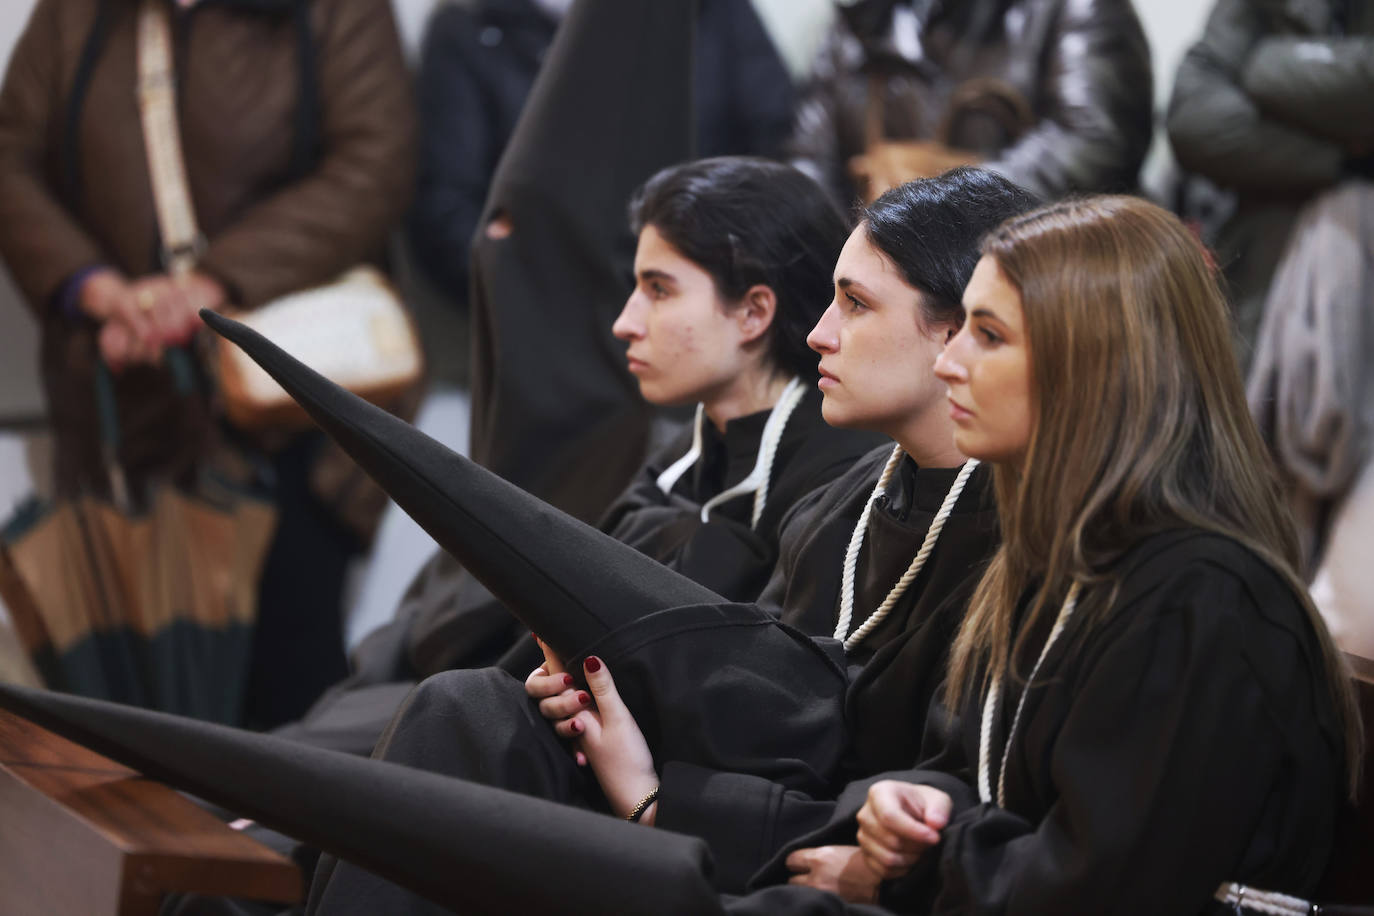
(354,331)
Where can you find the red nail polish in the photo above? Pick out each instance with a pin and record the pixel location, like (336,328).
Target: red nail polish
(567,680)
(593,664)
(575,726)
(583,698)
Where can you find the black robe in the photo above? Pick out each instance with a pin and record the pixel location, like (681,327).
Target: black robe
(1187,740)
(480,727)
(550,389)
(893,673)
(450,620)
(462,625)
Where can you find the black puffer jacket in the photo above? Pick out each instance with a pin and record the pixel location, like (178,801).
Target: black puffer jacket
(1083,66)
(1275,103)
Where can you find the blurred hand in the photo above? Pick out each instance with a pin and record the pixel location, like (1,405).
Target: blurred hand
(841,870)
(888,165)
(126,333)
(172,305)
(898,823)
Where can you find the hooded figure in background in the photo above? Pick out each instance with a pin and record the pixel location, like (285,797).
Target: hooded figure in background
(479,63)
(554,410)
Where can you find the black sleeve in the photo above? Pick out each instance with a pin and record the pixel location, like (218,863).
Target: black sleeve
(744,819)
(1218,130)
(1096,116)
(1320,84)
(1165,760)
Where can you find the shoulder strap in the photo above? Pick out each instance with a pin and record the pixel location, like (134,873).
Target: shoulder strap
(176,219)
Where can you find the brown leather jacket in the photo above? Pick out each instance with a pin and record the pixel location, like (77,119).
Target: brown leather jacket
(293,179)
(1081,66)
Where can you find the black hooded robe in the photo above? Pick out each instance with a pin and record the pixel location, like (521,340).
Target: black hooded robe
(452,621)
(460,626)
(479,725)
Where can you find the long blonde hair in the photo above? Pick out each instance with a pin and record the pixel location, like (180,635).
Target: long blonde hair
(1140,425)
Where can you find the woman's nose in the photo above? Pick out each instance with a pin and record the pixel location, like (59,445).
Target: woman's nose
(823,338)
(627,325)
(949,368)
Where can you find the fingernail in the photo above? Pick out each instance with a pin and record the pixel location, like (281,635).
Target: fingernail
(583,698)
(575,726)
(593,664)
(567,680)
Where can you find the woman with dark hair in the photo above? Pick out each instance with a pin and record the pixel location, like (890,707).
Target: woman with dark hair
(743,738)
(1149,708)
(732,252)
(732,260)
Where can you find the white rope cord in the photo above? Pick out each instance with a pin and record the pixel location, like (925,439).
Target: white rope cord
(673,473)
(1241,897)
(772,436)
(851,556)
(990,709)
(757,480)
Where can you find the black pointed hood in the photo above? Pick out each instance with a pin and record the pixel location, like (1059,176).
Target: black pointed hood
(554,409)
(565,580)
(464,846)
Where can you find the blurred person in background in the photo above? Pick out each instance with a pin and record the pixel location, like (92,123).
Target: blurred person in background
(1275,107)
(1275,104)
(478,64)
(296,125)
(1055,95)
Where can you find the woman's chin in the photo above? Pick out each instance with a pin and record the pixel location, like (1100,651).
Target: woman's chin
(834,414)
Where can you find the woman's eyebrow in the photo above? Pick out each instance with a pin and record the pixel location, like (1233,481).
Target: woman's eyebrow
(849,285)
(982,311)
(654,273)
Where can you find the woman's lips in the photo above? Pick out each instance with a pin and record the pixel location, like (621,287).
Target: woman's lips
(635,365)
(958,412)
(827,380)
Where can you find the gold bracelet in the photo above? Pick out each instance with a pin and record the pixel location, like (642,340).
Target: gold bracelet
(644,803)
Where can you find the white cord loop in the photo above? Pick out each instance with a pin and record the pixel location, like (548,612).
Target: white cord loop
(757,480)
(851,556)
(673,473)
(990,710)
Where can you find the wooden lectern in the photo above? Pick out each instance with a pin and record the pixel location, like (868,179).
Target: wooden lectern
(81,835)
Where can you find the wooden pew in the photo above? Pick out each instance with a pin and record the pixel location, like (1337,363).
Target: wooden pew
(1350,877)
(81,835)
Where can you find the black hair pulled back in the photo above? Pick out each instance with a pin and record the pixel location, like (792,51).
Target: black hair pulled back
(746,222)
(931,230)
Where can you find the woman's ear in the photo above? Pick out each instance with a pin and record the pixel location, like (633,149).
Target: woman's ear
(755,312)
